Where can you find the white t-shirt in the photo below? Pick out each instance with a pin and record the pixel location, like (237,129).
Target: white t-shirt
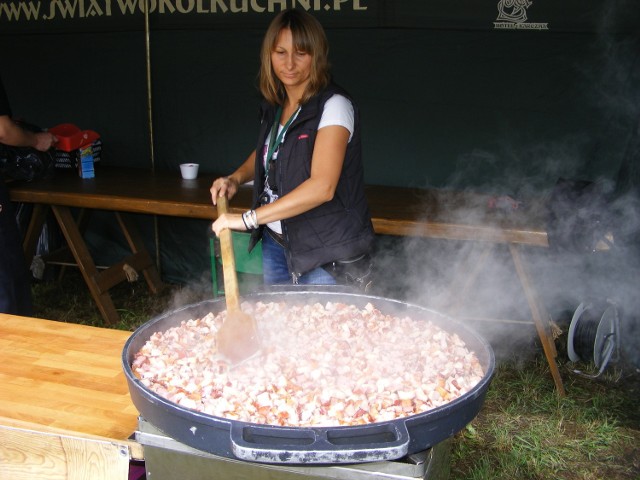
(338,110)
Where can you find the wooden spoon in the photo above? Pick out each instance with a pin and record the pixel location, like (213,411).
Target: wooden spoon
(237,338)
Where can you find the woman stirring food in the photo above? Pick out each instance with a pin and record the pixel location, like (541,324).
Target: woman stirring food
(310,206)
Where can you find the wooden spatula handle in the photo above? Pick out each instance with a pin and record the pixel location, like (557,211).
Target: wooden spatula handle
(231,290)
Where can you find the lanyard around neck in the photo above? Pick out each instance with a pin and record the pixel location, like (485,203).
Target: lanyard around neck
(275,141)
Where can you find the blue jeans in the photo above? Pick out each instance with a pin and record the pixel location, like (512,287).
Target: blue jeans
(276,271)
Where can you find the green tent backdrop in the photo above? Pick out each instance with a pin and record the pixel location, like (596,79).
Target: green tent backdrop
(452,94)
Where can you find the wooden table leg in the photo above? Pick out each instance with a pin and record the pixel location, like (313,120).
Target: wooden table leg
(136,244)
(540,317)
(30,242)
(85,263)
(100,282)
(82,220)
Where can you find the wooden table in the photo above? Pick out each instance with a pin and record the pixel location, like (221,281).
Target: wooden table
(395,211)
(65,409)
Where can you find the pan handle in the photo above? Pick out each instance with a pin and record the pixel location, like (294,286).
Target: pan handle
(355,444)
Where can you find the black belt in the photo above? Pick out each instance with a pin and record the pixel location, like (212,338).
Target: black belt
(277,237)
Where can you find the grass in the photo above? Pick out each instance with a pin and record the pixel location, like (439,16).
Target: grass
(524,430)
(69,300)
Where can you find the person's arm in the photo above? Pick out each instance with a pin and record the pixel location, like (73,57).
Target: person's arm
(326,166)
(15,136)
(229,185)
(319,188)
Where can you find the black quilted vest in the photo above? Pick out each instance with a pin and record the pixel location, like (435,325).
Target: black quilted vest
(336,230)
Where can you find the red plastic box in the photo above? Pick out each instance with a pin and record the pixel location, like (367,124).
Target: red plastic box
(70,137)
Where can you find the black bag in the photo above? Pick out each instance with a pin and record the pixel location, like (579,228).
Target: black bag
(579,216)
(26,163)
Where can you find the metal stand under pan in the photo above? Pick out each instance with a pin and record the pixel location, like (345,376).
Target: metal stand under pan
(168,459)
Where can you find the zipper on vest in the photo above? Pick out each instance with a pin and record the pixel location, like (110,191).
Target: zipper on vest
(294,275)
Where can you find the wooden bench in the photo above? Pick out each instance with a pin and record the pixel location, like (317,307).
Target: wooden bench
(442,214)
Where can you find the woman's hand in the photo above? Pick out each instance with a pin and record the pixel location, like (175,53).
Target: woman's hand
(232,221)
(228,186)
(223,187)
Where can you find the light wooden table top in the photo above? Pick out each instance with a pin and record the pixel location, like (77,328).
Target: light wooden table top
(65,376)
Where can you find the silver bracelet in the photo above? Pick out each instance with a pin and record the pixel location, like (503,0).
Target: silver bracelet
(250,219)
(254,218)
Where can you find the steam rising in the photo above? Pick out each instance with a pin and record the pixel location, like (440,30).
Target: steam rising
(423,270)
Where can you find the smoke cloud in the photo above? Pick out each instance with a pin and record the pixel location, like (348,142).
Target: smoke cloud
(433,272)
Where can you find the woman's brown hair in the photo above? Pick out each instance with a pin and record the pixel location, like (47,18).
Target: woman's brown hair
(309,37)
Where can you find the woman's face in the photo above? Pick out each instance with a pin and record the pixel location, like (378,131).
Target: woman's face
(292,67)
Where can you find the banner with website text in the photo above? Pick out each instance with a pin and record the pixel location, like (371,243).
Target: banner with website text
(51,16)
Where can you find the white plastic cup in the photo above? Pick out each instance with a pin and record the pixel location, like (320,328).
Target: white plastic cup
(189,171)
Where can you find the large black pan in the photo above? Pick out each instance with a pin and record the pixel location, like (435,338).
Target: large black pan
(297,445)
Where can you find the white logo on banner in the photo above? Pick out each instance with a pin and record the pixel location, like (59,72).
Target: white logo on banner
(512,15)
